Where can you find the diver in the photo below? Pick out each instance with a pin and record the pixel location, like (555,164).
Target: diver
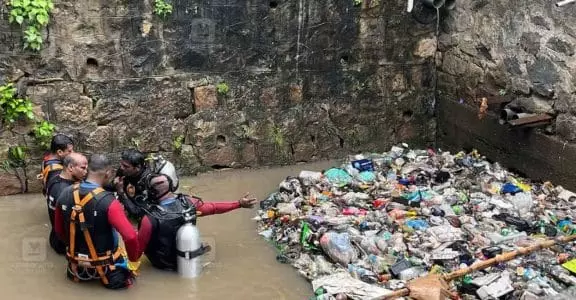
(158,228)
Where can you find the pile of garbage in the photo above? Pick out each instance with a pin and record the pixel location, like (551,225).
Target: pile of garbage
(365,228)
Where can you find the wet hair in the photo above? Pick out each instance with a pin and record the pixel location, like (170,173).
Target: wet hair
(134,157)
(99,163)
(60,142)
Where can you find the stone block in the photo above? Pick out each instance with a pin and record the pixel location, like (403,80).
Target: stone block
(188,160)
(205,98)
(566,127)
(566,103)
(100,140)
(220,156)
(560,45)
(9,184)
(543,70)
(520,86)
(453,64)
(533,105)
(530,42)
(295,93)
(268,97)
(425,48)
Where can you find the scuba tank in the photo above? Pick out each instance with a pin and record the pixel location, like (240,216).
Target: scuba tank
(158,164)
(189,246)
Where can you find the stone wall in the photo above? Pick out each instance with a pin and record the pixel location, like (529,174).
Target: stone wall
(308,79)
(516,51)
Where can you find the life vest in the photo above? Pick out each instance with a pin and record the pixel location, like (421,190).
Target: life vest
(60,184)
(48,166)
(166,219)
(95,248)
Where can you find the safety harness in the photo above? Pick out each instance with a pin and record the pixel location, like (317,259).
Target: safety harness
(93,262)
(49,168)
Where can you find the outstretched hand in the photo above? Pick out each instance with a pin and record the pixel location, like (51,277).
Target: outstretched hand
(246,202)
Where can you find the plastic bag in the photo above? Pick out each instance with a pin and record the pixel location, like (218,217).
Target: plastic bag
(369,245)
(338,177)
(338,247)
(271,201)
(310,177)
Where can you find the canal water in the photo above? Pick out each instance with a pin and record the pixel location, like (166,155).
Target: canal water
(241,265)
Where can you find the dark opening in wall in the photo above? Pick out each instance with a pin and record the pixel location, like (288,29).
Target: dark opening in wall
(407,115)
(221,140)
(273,4)
(344,58)
(92,62)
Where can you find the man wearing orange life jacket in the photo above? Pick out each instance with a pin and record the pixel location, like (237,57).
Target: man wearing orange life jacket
(75,169)
(89,220)
(60,147)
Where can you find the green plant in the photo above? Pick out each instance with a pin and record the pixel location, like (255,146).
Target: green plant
(222,88)
(33,16)
(12,107)
(16,164)
(161,8)
(502,92)
(357,2)
(277,136)
(43,131)
(16,156)
(135,142)
(177,143)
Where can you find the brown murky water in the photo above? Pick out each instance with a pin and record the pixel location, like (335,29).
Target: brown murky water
(243,265)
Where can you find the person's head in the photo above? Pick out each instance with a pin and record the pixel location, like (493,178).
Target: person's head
(132,162)
(100,169)
(159,187)
(75,166)
(61,145)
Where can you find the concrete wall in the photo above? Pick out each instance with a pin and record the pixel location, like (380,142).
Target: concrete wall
(308,79)
(517,51)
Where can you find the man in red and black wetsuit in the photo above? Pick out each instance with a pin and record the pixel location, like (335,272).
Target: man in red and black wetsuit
(75,169)
(158,228)
(60,147)
(89,218)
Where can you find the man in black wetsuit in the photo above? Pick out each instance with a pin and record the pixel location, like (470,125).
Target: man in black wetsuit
(75,168)
(131,182)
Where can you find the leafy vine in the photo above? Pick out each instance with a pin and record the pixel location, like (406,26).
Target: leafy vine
(162,8)
(13,109)
(33,16)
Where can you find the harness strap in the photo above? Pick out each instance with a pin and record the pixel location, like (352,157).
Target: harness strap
(105,260)
(77,211)
(49,168)
(192,254)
